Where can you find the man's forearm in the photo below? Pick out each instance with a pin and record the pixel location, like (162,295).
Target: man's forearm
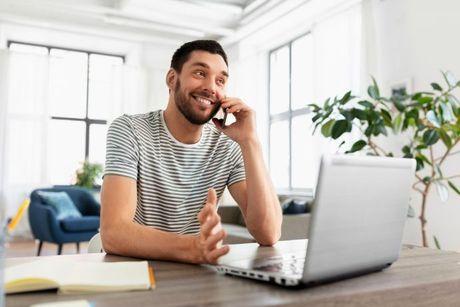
(131,239)
(263,212)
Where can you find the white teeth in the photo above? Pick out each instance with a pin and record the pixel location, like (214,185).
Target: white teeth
(203,100)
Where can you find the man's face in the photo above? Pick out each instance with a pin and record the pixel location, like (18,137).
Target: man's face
(200,86)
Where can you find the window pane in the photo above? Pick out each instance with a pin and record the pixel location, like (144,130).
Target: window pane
(97,138)
(279,154)
(29,49)
(28,75)
(66,150)
(68,80)
(279,81)
(306,153)
(302,72)
(102,78)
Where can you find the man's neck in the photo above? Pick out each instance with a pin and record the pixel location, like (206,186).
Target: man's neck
(180,128)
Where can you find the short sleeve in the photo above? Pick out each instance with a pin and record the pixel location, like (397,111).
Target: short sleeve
(237,173)
(122,150)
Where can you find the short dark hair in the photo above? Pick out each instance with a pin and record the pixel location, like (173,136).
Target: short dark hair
(183,53)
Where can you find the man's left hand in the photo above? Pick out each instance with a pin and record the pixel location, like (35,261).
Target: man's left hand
(244,128)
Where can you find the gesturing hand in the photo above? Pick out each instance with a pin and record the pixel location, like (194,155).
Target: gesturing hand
(209,241)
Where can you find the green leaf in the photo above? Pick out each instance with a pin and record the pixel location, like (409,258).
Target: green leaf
(386,117)
(339,128)
(346,98)
(424,100)
(436,242)
(445,138)
(432,118)
(326,128)
(376,86)
(423,158)
(436,86)
(347,114)
(416,96)
(420,164)
(366,104)
(373,92)
(453,186)
(430,137)
(316,117)
(359,114)
(313,106)
(399,105)
(357,146)
(397,123)
(406,149)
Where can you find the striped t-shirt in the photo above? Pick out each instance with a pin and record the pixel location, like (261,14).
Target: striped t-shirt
(173,178)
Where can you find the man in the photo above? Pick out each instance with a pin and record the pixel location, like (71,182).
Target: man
(166,169)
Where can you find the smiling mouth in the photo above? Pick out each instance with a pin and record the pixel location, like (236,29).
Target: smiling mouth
(203,100)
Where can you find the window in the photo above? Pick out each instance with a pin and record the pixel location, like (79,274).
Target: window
(291,89)
(78,97)
(322,63)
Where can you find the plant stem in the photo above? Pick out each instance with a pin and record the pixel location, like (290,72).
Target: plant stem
(447,153)
(422,214)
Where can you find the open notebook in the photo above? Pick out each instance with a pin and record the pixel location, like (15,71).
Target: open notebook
(78,276)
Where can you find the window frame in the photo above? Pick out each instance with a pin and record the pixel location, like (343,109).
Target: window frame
(286,116)
(88,121)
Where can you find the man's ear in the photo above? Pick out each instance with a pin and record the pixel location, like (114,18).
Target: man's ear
(171,78)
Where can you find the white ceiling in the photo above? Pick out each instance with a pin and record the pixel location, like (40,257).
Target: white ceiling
(144,20)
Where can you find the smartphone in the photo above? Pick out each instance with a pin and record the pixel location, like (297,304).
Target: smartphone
(224,118)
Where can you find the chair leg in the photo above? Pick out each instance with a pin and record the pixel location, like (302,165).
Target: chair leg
(59,249)
(78,247)
(39,249)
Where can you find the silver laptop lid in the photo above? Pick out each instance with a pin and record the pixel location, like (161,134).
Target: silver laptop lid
(358,215)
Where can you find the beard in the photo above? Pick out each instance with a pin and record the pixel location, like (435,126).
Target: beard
(186,106)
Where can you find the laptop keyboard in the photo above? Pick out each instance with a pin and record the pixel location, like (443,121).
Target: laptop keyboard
(291,265)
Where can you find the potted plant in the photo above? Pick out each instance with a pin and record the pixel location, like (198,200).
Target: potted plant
(427,118)
(87,174)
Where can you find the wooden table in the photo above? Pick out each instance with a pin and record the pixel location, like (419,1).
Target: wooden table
(421,277)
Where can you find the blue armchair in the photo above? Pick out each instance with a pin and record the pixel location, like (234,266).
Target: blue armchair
(47,228)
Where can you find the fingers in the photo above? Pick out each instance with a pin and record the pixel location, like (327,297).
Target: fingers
(209,207)
(212,257)
(212,197)
(213,240)
(209,224)
(234,105)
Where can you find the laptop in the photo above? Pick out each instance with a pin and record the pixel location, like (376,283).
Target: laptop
(356,226)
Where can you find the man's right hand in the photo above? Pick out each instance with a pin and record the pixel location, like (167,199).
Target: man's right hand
(209,242)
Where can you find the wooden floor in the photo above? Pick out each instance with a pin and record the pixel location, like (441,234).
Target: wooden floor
(28,248)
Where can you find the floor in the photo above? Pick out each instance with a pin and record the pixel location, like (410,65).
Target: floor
(28,248)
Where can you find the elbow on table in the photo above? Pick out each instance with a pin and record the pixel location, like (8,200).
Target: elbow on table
(269,239)
(110,241)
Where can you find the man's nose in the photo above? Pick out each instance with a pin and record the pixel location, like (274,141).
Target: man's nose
(210,86)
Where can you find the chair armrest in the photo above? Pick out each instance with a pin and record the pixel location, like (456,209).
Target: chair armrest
(43,222)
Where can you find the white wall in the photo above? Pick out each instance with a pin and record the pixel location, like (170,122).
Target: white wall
(414,40)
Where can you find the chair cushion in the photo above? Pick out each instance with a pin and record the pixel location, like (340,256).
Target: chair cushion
(61,203)
(85,223)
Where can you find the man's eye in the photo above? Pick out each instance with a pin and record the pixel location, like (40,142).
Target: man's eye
(199,73)
(221,81)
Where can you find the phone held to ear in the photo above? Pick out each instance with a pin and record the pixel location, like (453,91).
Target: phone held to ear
(224,118)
